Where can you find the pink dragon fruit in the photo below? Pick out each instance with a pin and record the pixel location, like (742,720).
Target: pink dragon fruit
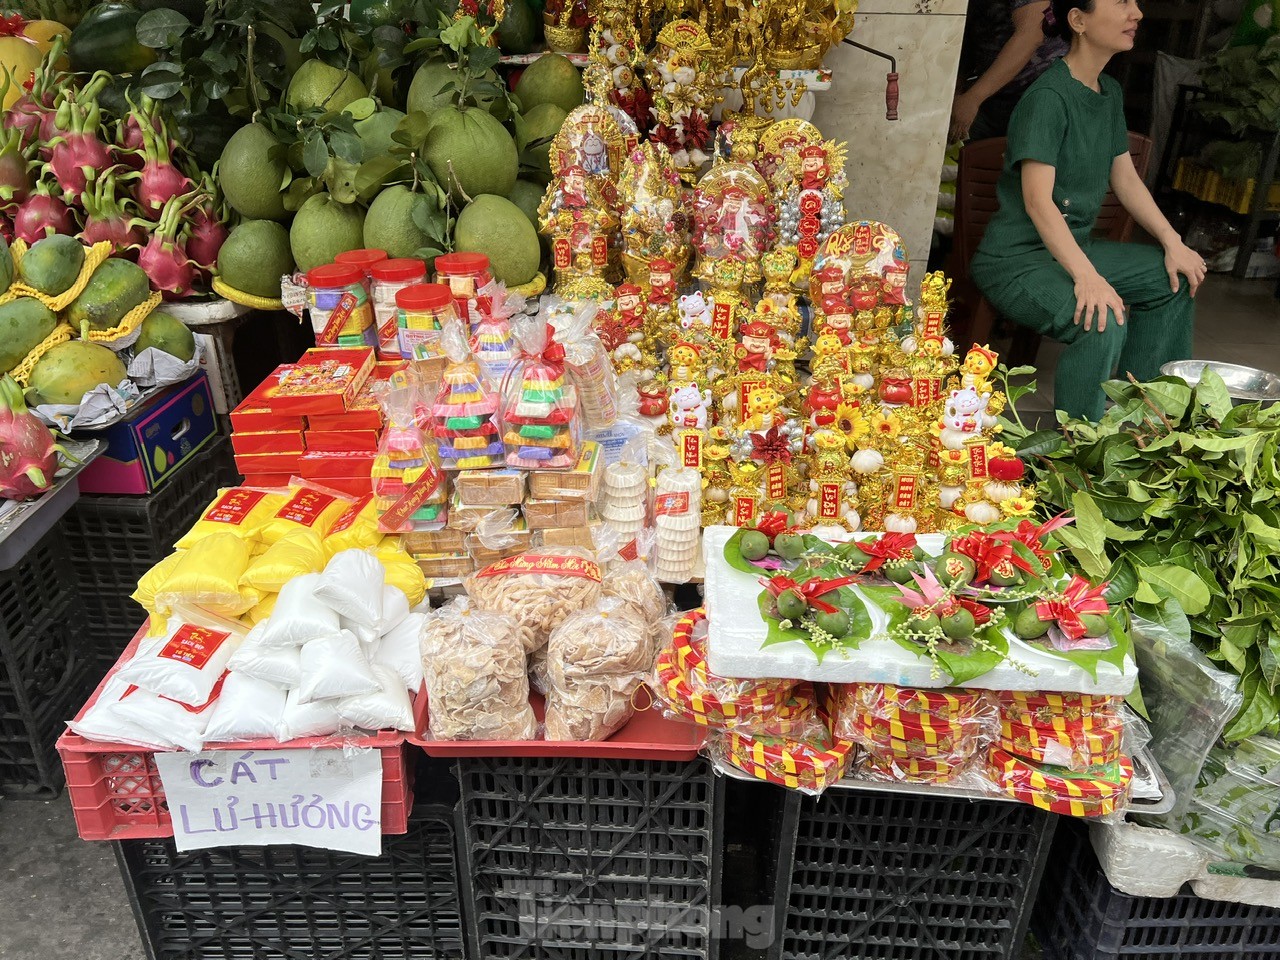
(32,113)
(107,218)
(77,155)
(28,451)
(164,258)
(42,215)
(159,181)
(208,229)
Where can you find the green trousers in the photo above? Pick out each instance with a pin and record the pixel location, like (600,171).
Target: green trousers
(1157,329)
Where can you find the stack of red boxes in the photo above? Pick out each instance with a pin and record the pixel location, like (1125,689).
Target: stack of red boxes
(316,419)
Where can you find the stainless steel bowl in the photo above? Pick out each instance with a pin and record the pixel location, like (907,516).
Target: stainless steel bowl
(1243,383)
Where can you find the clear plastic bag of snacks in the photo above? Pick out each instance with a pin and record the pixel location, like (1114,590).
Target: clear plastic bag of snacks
(596,660)
(809,765)
(406,458)
(474,667)
(587,359)
(464,416)
(541,420)
(540,589)
(492,339)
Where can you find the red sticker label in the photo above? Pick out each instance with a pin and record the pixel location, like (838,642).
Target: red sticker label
(671,504)
(776,482)
(722,320)
(562,254)
(829,501)
(532,563)
(691,450)
(347,519)
(630,552)
(922,392)
(978,461)
(193,645)
(234,506)
(305,507)
(904,496)
(338,319)
(807,248)
(744,511)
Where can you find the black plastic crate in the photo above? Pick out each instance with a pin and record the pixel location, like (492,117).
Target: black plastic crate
(586,859)
(1081,916)
(896,876)
(250,903)
(115,540)
(45,669)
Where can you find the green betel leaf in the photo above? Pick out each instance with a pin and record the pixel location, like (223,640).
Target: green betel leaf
(1211,394)
(733,555)
(1259,709)
(1171,395)
(1168,616)
(1042,443)
(1181,584)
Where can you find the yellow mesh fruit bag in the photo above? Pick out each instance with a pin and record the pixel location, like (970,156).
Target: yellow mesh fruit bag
(239,510)
(307,508)
(208,576)
(295,554)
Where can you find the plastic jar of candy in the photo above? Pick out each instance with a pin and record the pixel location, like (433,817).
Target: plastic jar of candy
(340,306)
(389,278)
(422,311)
(364,259)
(465,274)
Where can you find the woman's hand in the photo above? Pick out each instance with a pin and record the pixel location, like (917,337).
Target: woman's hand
(1181,259)
(964,110)
(1094,296)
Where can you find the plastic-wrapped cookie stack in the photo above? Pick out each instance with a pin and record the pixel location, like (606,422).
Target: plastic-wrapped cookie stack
(623,506)
(677,510)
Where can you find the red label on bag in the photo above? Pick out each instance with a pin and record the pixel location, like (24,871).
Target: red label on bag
(347,519)
(829,501)
(691,449)
(305,507)
(776,482)
(744,511)
(193,645)
(411,501)
(630,552)
(671,504)
(978,460)
(338,319)
(532,563)
(234,506)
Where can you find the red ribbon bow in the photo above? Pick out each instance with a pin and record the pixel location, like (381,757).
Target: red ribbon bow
(987,552)
(1032,535)
(981,612)
(811,589)
(891,546)
(1078,598)
(772,524)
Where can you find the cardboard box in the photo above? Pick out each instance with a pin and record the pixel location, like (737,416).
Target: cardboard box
(465,516)
(546,514)
(253,415)
(326,380)
(495,488)
(156,438)
(440,566)
(338,441)
(270,441)
(580,483)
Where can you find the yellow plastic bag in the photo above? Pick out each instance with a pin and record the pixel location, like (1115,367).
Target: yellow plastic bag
(307,508)
(357,528)
(262,610)
(239,510)
(208,576)
(401,570)
(294,555)
(152,580)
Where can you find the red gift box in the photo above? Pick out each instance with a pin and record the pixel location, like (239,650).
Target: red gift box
(267,480)
(286,463)
(270,441)
(325,381)
(338,441)
(254,415)
(354,486)
(353,464)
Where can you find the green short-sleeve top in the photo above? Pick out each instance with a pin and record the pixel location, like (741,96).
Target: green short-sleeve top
(1073,128)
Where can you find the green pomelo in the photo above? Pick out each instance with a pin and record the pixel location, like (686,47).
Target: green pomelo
(324,228)
(1095,624)
(789,546)
(318,85)
(527,195)
(541,122)
(837,624)
(115,288)
(249,177)
(52,264)
(375,13)
(167,333)
(497,228)
(791,606)
(254,258)
(520,30)
(434,87)
(552,78)
(24,323)
(471,153)
(959,624)
(375,132)
(389,223)
(70,370)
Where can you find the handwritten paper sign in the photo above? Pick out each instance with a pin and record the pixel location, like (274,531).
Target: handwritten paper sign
(326,798)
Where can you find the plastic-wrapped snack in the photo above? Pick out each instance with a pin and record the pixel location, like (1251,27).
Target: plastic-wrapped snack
(539,671)
(491,337)
(309,507)
(542,426)
(1095,792)
(474,667)
(677,510)
(1050,708)
(632,583)
(596,659)
(587,359)
(293,555)
(809,766)
(190,660)
(539,589)
(465,413)
(356,528)
(1075,731)
(406,456)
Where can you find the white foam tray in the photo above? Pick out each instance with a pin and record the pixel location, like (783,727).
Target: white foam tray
(737,629)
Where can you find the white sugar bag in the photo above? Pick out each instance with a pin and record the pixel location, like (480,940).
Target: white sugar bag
(352,585)
(247,709)
(319,719)
(102,721)
(401,651)
(279,665)
(298,616)
(386,709)
(188,661)
(184,726)
(335,666)
(395,607)
(365,634)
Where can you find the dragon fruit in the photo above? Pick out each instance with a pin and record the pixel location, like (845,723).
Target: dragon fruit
(107,217)
(208,229)
(159,181)
(28,451)
(42,215)
(164,258)
(32,114)
(77,155)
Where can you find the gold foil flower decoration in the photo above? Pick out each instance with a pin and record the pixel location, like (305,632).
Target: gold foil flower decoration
(886,425)
(1017,506)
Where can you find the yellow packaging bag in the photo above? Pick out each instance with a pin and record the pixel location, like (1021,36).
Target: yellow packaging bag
(294,555)
(208,576)
(262,610)
(239,510)
(401,570)
(307,508)
(152,580)
(356,529)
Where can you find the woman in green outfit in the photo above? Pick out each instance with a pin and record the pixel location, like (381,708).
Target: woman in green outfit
(1116,306)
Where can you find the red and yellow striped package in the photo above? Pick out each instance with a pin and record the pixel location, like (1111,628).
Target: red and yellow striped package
(1075,748)
(949,703)
(906,738)
(915,770)
(807,766)
(1096,792)
(1046,708)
